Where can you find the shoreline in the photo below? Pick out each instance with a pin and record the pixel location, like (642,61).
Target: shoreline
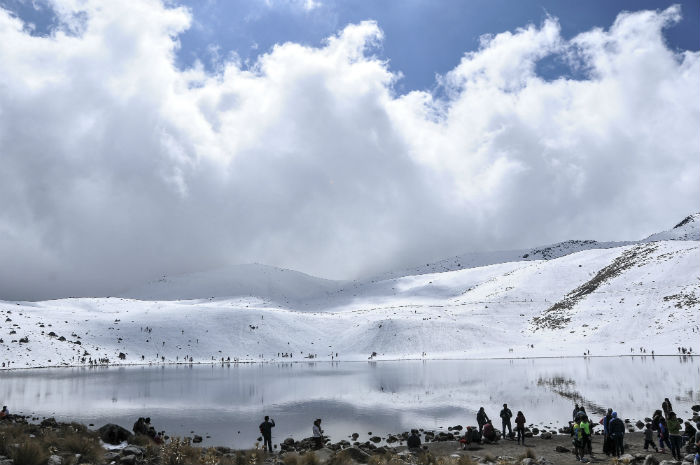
(541,447)
(326,360)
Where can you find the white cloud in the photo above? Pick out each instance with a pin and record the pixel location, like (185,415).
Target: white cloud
(117,166)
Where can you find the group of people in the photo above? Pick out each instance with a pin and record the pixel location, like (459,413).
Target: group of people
(669,431)
(143,426)
(488,432)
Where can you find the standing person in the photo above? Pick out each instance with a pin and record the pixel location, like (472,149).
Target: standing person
(617,434)
(607,441)
(575,412)
(481,419)
(576,438)
(585,429)
(666,407)
(4,412)
(266,431)
(649,438)
(674,434)
(318,434)
(520,426)
(506,414)
(413,441)
(663,435)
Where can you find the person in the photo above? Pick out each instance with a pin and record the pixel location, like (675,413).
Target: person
(666,407)
(4,412)
(481,419)
(663,435)
(689,432)
(413,441)
(140,426)
(617,433)
(318,434)
(520,426)
(471,435)
(266,431)
(607,441)
(489,432)
(585,429)
(649,439)
(674,434)
(576,438)
(575,412)
(506,414)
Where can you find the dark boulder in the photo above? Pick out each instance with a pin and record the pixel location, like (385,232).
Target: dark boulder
(375,439)
(197,439)
(695,408)
(353,453)
(49,423)
(562,449)
(113,434)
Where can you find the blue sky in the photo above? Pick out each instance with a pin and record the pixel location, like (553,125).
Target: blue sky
(422,37)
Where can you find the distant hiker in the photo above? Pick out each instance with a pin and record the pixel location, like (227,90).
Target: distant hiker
(318,434)
(649,438)
(481,419)
(520,426)
(489,432)
(266,431)
(506,414)
(413,441)
(674,434)
(140,426)
(617,433)
(666,407)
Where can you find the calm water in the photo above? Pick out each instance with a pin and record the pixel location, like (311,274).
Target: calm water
(228,402)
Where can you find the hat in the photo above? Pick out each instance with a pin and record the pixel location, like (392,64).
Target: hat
(614,414)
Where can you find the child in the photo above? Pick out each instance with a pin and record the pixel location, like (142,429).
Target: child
(649,438)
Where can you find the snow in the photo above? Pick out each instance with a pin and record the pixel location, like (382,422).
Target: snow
(487,308)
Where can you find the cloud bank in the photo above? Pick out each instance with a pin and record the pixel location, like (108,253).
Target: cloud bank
(117,167)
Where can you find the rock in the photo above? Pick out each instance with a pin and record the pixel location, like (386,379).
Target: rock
(5,461)
(626,458)
(565,430)
(528,434)
(669,462)
(353,453)
(535,431)
(546,435)
(133,450)
(227,450)
(562,449)
(689,458)
(391,439)
(49,423)
(324,454)
(197,439)
(128,460)
(288,442)
(639,424)
(113,434)
(355,436)
(110,456)
(457,428)
(55,460)
(650,460)
(375,439)
(527,461)
(695,408)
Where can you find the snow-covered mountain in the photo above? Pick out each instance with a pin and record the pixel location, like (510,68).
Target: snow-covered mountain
(606,298)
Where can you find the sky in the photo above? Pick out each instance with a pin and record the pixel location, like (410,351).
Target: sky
(341,139)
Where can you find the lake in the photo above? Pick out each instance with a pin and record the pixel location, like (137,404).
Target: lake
(228,402)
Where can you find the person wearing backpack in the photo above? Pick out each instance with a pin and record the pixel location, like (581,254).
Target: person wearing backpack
(266,431)
(674,434)
(617,433)
(663,435)
(506,415)
(520,426)
(585,429)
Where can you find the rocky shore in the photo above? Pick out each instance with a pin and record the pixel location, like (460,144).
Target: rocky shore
(54,443)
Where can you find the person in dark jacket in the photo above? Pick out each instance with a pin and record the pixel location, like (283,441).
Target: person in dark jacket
(608,446)
(489,432)
(674,434)
(266,431)
(666,407)
(617,434)
(575,412)
(481,419)
(520,426)
(506,415)
(663,435)
(413,441)
(140,426)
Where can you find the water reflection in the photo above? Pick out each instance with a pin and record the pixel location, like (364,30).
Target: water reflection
(227,402)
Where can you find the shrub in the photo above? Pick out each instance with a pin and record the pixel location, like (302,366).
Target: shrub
(293,459)
(88,447)
(178,452)
(425,458)
(309,458)
(29,452)
(141,440)
(465,460)
(489,458)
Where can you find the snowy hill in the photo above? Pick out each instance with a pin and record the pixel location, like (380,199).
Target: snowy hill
(686,230)
(607,300)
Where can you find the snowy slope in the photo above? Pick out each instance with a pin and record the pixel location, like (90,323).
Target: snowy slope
(686,230)
(610,301)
